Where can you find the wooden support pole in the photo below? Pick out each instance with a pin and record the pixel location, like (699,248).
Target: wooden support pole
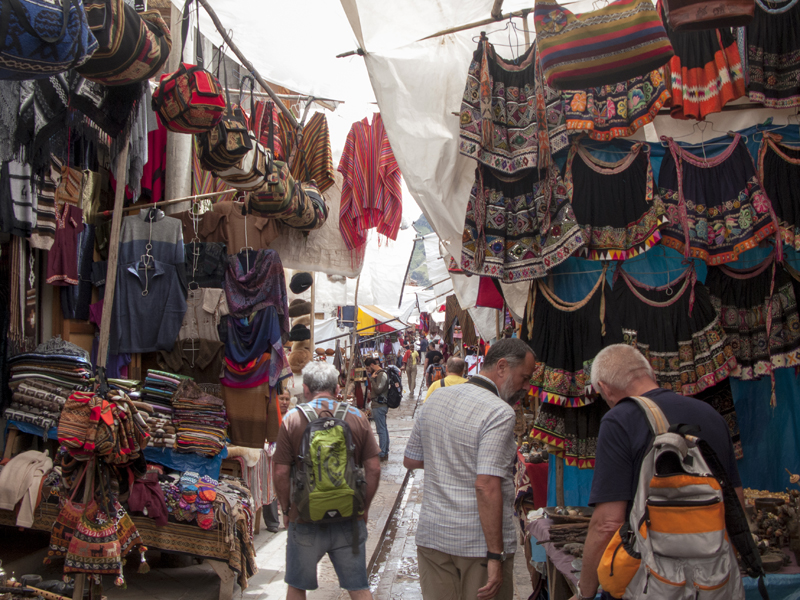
(113,253)
(313,307)
(559,481)
(247,64)
(353,346)
(88,482)
(497,10)
(489,21)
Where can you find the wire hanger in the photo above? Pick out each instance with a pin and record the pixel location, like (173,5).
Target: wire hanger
(702,127)
(147,260)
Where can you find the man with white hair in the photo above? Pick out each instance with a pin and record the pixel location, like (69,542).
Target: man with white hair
(307,543)
(618,372)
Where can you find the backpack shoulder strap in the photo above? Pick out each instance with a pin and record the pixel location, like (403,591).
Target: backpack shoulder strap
(655,418)
(341,411)
(442,383)
(309,412)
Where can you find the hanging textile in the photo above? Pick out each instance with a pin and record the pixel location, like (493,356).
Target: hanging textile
(565,337)
(779,172)
(758,311)
(313,158)
(518,230)
(204,182)
(615,204)
(618,110)
(501,111)
(705,72)
(371,194)
(773,53)
(716,207)
(677,328)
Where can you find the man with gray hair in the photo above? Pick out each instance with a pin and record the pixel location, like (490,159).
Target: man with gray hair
(308,542)
(464,439)
(618,372)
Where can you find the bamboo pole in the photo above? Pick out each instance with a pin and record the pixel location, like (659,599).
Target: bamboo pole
(247,64)
(559,481)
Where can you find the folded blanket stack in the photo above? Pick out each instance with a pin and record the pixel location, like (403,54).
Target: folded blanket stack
(201,420)
(42,380)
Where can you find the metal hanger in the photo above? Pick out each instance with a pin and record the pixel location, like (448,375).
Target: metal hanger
(702,126)
(147,260)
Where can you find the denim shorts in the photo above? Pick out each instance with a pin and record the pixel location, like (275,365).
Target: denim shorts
(309,542)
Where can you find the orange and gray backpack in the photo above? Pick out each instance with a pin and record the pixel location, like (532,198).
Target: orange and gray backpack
(685,521)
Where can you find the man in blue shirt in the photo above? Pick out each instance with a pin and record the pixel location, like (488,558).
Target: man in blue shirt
(618,372)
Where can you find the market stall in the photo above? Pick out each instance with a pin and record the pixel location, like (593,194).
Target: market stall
(146,337)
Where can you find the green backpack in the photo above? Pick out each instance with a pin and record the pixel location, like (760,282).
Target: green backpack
(328,485)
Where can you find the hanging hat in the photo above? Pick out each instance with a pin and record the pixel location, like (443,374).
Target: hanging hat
(299,307)
(299,333)
(301,282)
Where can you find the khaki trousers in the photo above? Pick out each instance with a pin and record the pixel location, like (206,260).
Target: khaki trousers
(411,372)
(447,577)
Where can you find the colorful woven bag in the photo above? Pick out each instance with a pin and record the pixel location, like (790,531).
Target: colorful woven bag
(94,547)
(224,146)
(189,100)
(617,42)
(311,212)
(40,38)
(69,515)
(133,46)
(275,197)
(74,425)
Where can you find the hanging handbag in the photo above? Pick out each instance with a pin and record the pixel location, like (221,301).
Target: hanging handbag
(224,146)
(74,425)
(94,547)
(69,187)
(28,47)
(694,15)
(620,41)
(189,100)
(69,515)
(311,210)
(275,197)
(133,46)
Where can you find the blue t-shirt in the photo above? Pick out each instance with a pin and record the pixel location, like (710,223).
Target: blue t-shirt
(423,345)
(625,437)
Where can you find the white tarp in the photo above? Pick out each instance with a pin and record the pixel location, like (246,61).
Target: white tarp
(381,276)
(326,329)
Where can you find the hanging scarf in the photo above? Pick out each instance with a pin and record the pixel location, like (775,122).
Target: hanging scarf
(263,285)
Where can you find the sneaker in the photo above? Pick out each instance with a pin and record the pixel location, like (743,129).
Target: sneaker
(272,529)
(383,457)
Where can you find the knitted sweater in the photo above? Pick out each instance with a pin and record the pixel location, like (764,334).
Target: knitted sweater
(20,479)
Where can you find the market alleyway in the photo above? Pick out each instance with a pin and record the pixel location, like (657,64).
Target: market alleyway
(393,562)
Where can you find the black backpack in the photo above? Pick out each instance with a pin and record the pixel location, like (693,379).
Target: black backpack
(394,392)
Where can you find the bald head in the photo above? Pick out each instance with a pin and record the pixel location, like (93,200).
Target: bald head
(456,366)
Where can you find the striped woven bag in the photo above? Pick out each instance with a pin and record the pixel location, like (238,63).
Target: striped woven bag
(617,42)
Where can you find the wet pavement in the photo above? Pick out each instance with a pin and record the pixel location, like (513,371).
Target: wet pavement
(392,558)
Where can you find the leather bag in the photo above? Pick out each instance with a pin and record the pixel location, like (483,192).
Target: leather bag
(39,38)
(133,46)
(189,100)
(694,15)
(617,42)
(224,146)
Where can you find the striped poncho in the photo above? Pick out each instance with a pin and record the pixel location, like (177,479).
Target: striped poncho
(371,195)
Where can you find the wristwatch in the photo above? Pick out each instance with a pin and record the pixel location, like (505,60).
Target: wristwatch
(493,556)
